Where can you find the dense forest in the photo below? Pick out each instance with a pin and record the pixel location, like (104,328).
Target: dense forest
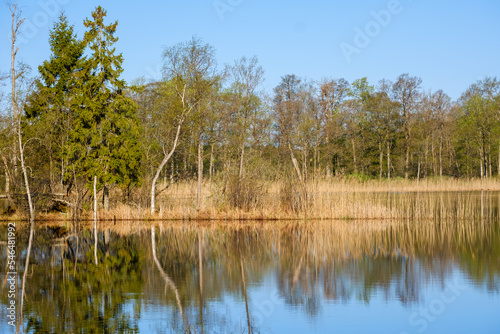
(75,120)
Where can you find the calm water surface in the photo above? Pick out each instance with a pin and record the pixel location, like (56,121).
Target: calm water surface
(414,276)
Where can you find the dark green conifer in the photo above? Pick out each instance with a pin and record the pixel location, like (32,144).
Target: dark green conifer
(49,106)
(104,139)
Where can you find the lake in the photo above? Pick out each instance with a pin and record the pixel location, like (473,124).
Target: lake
(414,275)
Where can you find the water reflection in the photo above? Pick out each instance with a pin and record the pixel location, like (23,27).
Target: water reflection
(250,277)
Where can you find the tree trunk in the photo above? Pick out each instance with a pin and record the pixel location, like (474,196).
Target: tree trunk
(62,173)
(388,160)
(481,163)
(489,161)
(106,242)
(7,180)
(105,197)
(407,160)
(95,220)
(354,155)
(51,174)
(25,273)
(26,181)
(242,157)
(172,168)
(484,169)
(295,164)
(434,161)
(184,167)
(249,324)
(25,175)
(200,174)
(166,278)
(440,157)
(200,269)
(211,167)
(304,164)
(162,164)
(7,183)
(328,171)
(16,23)
(301,179)
(31,209)
(418,171)
(315,162)
(381,159)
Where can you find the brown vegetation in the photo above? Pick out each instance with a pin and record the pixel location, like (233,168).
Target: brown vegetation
(339,199)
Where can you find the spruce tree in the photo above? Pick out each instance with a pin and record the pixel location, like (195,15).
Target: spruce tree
(49,106)
(104,138)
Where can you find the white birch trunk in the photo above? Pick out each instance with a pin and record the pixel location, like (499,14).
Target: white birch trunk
(200,174)
(162,164)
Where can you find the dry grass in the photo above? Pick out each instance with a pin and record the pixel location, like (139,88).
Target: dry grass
(431,184)
(337,199)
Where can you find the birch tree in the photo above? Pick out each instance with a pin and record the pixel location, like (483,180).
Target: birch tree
(17,105)
(190,68)
(17,109)
(245,75)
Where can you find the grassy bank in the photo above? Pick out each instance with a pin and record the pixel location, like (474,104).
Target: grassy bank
(338,199)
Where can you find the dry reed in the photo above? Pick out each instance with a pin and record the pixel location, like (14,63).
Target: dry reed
(335,199)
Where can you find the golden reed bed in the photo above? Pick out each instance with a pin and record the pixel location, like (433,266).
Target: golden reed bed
(339,199)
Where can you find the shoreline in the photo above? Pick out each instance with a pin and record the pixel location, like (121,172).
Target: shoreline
(334,205)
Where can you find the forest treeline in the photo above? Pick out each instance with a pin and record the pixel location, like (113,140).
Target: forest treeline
(77,120)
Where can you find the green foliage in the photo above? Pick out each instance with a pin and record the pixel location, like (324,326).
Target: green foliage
(48,109)
(104,138)
(478,130)
(361,90)
(80,111)
(57,75)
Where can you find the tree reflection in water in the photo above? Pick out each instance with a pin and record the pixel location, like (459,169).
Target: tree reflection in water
(180,278)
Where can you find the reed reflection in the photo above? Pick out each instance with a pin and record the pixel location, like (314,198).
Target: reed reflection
(184,274)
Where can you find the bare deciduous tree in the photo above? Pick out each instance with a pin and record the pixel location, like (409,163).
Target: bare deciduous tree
(190,67)
(246,75)
(406,91)
(16,75)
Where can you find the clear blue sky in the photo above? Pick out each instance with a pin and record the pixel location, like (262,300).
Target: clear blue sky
(449,44)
